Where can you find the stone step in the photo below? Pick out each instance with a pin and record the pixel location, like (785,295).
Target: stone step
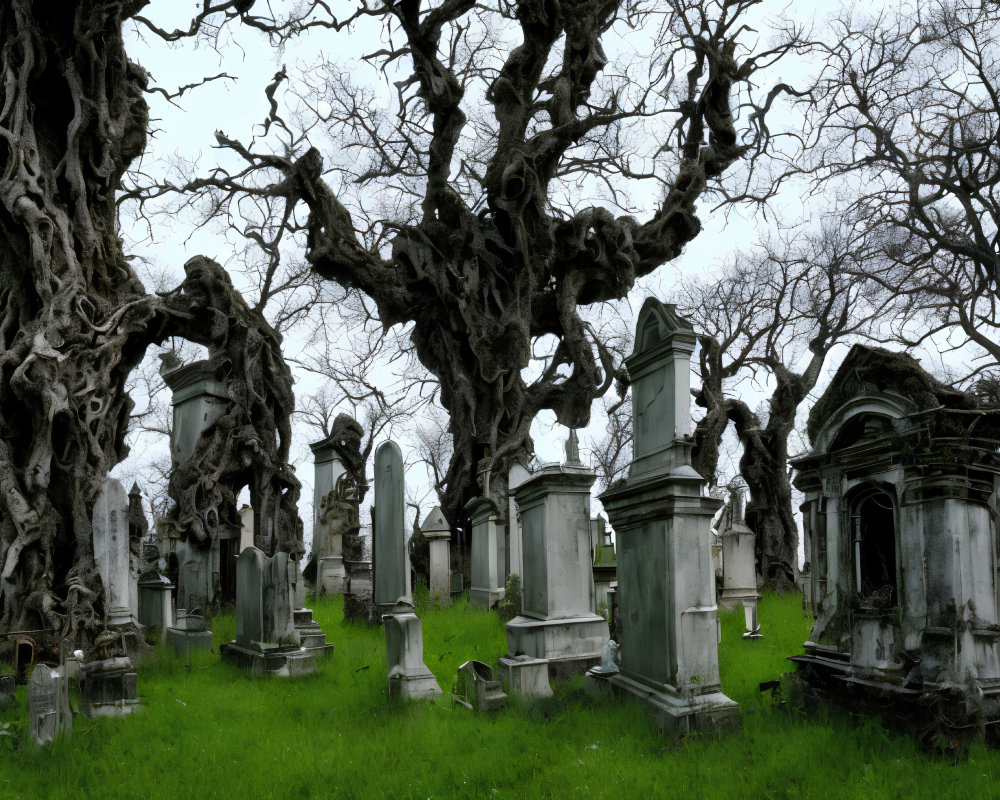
(321,651)
(310,640)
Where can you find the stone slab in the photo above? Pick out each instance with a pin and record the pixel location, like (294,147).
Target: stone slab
(677,715)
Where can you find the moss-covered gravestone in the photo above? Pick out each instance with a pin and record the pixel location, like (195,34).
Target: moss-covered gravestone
(669,649)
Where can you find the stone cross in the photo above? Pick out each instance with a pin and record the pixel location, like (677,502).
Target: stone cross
(111,552)
(392,561)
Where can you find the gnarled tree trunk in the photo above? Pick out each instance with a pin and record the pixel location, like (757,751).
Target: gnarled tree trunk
(75,320)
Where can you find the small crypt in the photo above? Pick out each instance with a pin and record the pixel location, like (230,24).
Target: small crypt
(900,530)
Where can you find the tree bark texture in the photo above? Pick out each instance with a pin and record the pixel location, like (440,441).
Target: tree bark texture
(75,320)
(483,281)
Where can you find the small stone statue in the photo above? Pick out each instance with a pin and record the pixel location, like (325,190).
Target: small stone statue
(609,659)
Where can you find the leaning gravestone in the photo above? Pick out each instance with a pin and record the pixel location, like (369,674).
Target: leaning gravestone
(111,551)
(392,562)
(666,588)
(48,705)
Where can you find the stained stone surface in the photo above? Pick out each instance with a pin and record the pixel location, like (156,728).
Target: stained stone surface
(666,584)
(109,688)
(49,714)
(557,620)
(392,561)
(111,551)
(264,600)
(524,677)
(478,688)
(438,534)
(409,677)
(487,578)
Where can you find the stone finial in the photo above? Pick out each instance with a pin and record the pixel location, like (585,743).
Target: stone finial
(573,448)
(435,526)
(169,362)
(135,490)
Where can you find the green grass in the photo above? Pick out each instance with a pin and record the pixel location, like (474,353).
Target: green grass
(213,732)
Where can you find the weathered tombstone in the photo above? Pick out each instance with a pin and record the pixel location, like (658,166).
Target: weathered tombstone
(901,528)
(605,566)
(438,534)
(266,639)
(188,632)
(557,620)
(337,516)
(246,527)
(525,678)
(138,529)
(194,576)
(392,562)
(477,688)
(739,573)
(200,395)
(409,677)
(49,714)
(516,475)
(155,595)
(7,686)
(109,688)
(111,551)
(487,579)
(666,592)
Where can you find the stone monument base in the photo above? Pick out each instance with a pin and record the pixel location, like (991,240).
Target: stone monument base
(571,646)
(311,635)
(488,598)
(331,575)
(109,688)
(676,714)
(525,676)
(184,641)
(282,662)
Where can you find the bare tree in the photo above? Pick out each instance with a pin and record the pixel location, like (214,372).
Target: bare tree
(478,204)
(773,319)
(905,120)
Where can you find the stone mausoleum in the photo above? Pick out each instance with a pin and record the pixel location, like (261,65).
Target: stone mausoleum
(900,524)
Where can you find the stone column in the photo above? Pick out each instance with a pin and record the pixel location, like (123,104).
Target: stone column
(200,396)
(669,654)
(111,551)
(392,561)
(557,620)
(487,582)
(438,534)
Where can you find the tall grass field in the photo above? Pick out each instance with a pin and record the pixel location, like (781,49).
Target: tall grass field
(209,731)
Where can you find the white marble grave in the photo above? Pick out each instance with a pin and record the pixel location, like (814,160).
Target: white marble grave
(111,552)
(666,590)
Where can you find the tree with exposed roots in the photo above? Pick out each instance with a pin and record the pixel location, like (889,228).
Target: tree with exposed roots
(487,202)
(75,320)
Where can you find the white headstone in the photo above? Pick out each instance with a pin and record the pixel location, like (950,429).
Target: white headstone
(111,551)
(392,561)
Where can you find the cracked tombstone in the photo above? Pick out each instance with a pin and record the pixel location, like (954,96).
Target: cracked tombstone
(392,561)
(48,705)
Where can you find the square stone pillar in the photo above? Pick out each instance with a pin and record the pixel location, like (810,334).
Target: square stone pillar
(662,521)
(111,552)
(557,620)
(438,535)
(487,580)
